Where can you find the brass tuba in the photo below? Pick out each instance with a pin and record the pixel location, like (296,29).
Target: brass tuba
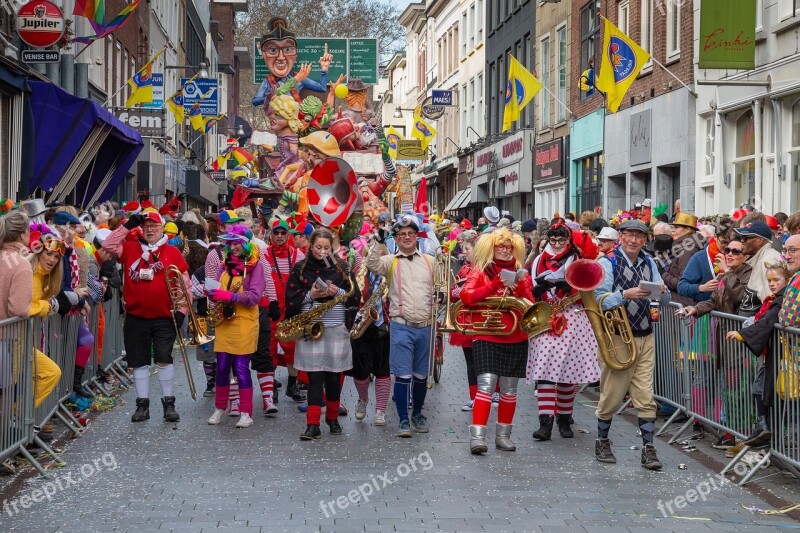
(486,318)
(179,296)
(586,275)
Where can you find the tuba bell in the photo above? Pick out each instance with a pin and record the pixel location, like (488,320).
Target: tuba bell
(585,275)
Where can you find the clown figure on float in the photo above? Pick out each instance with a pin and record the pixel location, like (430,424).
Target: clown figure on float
(279,51)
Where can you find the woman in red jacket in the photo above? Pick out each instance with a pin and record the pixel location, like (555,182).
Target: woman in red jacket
(498,359)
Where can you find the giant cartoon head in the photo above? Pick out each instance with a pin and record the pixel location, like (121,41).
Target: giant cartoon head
(279,48)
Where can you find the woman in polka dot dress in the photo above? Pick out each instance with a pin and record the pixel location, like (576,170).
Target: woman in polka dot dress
(559,361)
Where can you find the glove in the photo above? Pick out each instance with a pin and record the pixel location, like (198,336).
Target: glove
(274,311)
(179,318)
(564,286)
(53,306)
(381,237)
(541,288)
(219,295)
(134,221)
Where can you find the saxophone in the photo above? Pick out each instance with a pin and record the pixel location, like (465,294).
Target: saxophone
(307,325)
(368,312)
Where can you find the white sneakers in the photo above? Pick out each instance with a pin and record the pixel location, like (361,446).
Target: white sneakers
(244,421)
(216,418)
(380,418)
(468,406)
(361,410)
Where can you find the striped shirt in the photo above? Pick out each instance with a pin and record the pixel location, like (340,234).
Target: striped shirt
(333,317)
(284,268)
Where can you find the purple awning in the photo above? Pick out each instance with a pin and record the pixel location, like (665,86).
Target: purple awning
(82,151)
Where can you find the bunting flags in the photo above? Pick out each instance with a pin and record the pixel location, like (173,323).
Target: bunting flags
(141,84)
(521,87)
(621,59)
(105,28)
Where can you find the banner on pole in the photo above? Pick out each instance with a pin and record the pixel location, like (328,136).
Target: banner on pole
(727,34)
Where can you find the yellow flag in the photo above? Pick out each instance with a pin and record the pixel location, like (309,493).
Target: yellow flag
(141,83)
(392,136)
(423,131)
(175,105)
(620,62)
(521,87)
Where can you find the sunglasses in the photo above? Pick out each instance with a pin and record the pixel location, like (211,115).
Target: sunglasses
(55,245)
(732,251)
(279,232)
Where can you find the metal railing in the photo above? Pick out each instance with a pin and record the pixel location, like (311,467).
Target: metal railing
(57,338)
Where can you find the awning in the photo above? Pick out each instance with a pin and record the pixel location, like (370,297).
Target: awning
(465,201)
(455,203)
(83,152)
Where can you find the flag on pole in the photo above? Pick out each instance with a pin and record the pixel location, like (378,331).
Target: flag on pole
(587,81)
(196,118)
(424,131)
(241,156)
(175,105)
(212,121)
(105,29)
(392,136)
(521,87)
(141,84)
(620,62)
(93,10)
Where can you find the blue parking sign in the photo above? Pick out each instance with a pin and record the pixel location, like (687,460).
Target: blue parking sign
(195,90)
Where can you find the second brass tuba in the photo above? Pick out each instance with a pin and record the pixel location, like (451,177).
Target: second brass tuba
(586,275)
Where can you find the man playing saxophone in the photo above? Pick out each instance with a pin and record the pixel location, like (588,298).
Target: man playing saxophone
(625,269)
(410,278)
(322,279)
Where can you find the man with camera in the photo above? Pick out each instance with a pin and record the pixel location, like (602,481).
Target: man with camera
(148,306)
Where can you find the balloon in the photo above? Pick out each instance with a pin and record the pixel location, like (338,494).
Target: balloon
(341,91)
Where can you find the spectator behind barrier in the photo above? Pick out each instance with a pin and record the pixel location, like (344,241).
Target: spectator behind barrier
(730,285)
(16,276)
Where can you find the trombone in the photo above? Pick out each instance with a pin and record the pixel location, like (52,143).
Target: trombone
(179,296)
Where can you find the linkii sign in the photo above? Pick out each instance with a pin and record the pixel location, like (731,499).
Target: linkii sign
(40,23)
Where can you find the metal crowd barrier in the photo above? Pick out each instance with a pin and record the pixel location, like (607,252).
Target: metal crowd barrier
(709,380)
(57,338)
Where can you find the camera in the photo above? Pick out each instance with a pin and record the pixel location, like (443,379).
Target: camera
(146,274)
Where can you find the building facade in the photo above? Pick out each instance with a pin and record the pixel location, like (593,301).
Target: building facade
(748,122)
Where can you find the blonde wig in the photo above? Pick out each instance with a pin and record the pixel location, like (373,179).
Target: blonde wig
(484,248)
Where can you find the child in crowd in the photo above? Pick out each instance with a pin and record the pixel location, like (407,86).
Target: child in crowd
(757,336)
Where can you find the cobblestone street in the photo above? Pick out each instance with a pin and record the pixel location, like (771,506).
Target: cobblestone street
(191,476)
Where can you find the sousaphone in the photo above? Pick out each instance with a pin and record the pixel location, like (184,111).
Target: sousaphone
(333,194)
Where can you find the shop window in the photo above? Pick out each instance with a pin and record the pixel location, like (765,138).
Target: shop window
(588,37)
(647,29)
(590,187)
(745,135)
(561,58)
(794,156)
(544,74)
(745,162)
(710,146)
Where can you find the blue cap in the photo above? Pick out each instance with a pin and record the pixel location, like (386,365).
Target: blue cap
(62,218)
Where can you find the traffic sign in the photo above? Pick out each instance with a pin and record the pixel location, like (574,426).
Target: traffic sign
(356,58)
(41,56)
(40,23)
(194,91)
(430,111)
(442,97)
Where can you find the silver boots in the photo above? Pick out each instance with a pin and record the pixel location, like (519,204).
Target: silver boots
(477,439)
(502,439)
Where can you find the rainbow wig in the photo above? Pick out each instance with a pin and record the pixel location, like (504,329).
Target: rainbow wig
(484,248)
(241,234)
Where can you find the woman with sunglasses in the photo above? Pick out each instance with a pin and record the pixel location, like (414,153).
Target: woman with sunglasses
(236,336)
(45,258)
(500,358)
(566,355)
(730,286)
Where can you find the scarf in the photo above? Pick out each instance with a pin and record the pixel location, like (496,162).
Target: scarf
(493,269)
(74,270)
(148,250)
(765,305)
(552,262)
(758,279)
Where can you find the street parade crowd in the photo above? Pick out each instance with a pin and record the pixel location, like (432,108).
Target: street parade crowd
(330,285)
(519,297)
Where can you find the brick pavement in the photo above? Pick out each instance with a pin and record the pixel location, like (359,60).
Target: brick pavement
(195,477)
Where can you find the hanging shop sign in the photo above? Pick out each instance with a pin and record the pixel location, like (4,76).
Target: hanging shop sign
(728,34)
(410,150)
(40,23)
(41,56)
(510,176)
(148,122)
(505,152)
(548,160)
(430,111)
